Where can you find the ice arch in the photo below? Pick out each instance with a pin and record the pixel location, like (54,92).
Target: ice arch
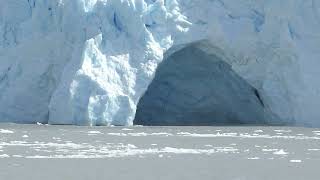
(194,87)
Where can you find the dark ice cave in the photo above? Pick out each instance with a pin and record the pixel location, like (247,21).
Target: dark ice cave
(195,88)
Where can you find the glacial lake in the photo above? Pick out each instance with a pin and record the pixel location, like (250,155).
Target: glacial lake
(37,152)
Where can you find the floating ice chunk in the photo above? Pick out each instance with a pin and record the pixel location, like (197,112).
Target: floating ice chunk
(316,133)
(5,131)
(183,133)
(187,151)
(131,146)
(126,129)
(254,158)
(4,156)
(117,134)
(313,149)
(138,134)
(269,150)
(280,152)
(258,131)
(282,131)
(161,134)
(94,132)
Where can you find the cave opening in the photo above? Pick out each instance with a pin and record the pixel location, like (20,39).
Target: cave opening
(195,88)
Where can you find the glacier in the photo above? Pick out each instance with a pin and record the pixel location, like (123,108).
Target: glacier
(90,62)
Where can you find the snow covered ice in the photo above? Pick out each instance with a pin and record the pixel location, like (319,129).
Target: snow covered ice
(89,62)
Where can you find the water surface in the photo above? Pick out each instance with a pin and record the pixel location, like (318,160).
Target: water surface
(239,153)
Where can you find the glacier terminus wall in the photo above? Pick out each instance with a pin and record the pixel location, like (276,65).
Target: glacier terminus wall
(107,62)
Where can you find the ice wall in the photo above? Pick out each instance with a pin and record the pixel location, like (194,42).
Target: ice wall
(88,62)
